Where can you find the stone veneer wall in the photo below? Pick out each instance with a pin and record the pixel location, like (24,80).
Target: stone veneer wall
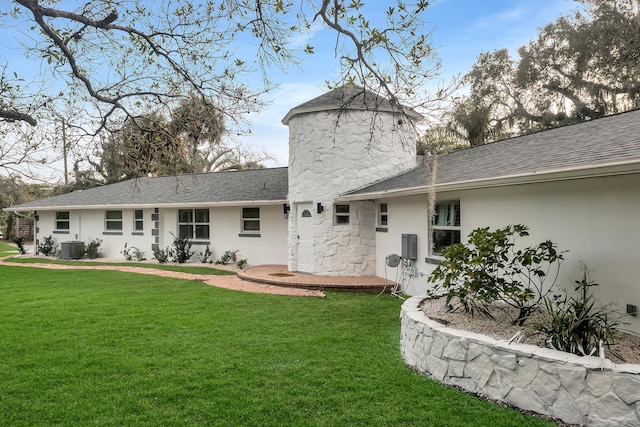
(327,159)
(578,390)
(349,250)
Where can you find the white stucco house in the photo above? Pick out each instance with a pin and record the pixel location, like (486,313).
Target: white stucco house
(354,193)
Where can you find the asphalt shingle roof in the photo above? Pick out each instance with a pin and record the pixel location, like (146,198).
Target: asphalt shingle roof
(349,97)
(588,144)
(597,142)
(256,185)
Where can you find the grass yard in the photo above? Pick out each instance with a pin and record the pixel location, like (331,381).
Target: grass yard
(112,349)
(189,268)
(6,249)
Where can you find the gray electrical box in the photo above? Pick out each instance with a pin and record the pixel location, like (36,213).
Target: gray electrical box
(410,246)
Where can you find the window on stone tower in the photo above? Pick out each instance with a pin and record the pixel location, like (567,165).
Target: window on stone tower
(341,214)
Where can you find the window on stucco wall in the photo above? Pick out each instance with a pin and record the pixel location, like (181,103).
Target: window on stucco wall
(138,220)
(193,224)
(113,221)
(446,225)
(341,214)
(62,223)
(383,215)
(251,220)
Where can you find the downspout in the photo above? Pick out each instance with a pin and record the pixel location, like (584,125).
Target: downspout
(79,235)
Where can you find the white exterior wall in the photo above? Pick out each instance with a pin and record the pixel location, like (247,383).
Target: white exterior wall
(87,225)
(269,248)
(596,219)
(405,215)
(327,159)
(225,227)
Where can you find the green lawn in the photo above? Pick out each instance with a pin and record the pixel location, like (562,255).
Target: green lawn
(114,349)
(6,249)
(188,268)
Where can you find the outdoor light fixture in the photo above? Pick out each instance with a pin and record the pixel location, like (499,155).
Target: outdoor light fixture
(286,209)
(320,208)
(632,309)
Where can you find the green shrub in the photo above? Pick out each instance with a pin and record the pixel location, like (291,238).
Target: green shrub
(132,253)
(229,257)
(181,251)
(48,246)
(161,255)
(19,241)
(577,323)
(93,249)
(204,256)
(242,263)
(489,268)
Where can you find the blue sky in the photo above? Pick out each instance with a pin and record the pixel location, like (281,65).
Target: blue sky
(462,30)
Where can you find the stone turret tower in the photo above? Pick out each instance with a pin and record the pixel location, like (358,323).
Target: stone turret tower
(340,141)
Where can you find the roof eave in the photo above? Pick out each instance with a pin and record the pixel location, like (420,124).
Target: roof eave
(149,205)
(564,174)
(413,115)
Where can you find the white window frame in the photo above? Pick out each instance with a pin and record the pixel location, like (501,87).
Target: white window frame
(113,221)
(138,223)
(197,225)
(60,220)
(248,219)
(383,215)
(450,223)
(341,214)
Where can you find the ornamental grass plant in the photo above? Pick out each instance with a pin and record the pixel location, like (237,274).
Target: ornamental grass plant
(577,323)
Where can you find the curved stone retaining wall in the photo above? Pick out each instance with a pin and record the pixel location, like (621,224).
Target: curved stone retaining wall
(577,390)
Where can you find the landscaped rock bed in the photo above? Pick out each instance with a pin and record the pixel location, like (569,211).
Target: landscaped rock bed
(586,390)
(627,345)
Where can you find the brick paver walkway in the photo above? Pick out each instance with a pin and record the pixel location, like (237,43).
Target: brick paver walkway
(267,279)
(226,282)
(280,276)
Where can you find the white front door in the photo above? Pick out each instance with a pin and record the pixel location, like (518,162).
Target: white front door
(305,238)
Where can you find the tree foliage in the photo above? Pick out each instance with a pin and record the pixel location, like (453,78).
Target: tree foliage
(14,190)
(121,59)
(580,67)
(141,147)
(191,141)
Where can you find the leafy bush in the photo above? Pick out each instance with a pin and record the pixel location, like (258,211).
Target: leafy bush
(92,249)
(132,253)
(161,255)
(489,268)
(578,324)
(181,251)
(229,257)
(242,263)
(48,246)
(204,256)
(19,241)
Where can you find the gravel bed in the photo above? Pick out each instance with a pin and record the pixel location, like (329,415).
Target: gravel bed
(627,345)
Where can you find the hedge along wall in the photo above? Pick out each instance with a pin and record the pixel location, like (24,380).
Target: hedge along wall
(578,390)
